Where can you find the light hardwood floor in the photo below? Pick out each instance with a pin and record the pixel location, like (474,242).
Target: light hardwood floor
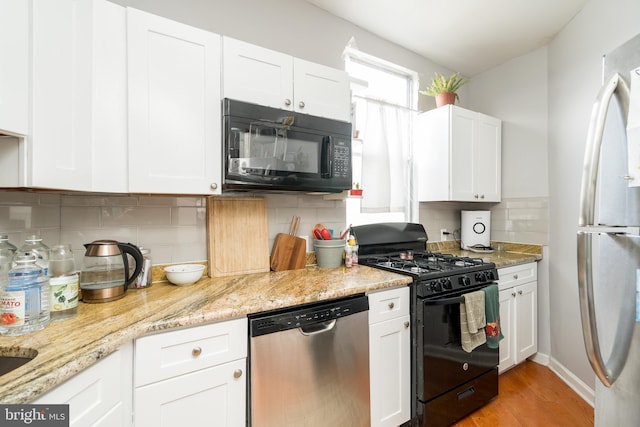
(531,395)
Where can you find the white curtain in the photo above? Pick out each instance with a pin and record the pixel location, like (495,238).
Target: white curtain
(386,156)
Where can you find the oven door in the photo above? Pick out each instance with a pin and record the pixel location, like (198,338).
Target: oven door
(444,364)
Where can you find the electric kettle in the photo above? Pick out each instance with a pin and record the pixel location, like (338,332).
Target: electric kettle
(105,274)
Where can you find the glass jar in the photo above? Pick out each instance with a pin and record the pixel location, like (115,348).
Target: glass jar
(144,279)
(24,305)
(64,283)
(33,245)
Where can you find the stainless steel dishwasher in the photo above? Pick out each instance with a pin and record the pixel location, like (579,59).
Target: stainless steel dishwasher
(309,365)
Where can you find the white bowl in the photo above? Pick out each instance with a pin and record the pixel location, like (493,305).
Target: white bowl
(184,274)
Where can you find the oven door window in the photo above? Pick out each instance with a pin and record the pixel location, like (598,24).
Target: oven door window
(445,364)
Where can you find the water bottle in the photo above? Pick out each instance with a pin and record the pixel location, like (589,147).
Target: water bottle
(33,245)
(6,244)
(24,302)
(64,283)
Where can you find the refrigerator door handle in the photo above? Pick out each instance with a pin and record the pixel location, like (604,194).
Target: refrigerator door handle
(594,141)
(607,372)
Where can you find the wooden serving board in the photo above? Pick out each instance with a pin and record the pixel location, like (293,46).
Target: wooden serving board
(288,253)
(237,236)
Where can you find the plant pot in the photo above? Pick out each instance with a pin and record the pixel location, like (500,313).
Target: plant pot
(445,98)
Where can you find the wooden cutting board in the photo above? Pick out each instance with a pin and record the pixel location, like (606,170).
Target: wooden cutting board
(288,253)
(237,236)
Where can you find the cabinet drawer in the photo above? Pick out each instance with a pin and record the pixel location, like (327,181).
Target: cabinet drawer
(388,304)
(173,353)
(517,275)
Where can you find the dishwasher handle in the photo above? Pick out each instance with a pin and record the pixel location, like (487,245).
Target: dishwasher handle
(318,328)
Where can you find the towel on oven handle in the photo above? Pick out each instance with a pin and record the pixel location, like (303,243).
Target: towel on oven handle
(492,313)
(472,321)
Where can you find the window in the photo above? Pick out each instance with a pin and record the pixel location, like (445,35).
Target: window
(384,102)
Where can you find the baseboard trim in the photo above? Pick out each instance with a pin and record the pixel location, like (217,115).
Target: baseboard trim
(576,384)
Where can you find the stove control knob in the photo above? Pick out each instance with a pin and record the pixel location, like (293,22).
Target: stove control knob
(481,277)
(491,276)
(464,281)
(436,286)
(446,283)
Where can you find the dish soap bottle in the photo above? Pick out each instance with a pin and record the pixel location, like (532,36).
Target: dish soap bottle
(24,300)
(64,283)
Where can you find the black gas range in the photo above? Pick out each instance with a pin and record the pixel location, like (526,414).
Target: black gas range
(448,383)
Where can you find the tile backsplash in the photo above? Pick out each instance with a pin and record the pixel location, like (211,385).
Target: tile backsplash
(173,228)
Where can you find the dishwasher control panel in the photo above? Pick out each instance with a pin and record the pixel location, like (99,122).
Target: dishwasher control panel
(301,316)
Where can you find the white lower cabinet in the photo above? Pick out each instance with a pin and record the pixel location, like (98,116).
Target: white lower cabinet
(192,377)
(99,396)
(390,358)
(518,314)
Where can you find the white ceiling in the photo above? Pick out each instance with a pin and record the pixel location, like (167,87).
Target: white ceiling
(469,36)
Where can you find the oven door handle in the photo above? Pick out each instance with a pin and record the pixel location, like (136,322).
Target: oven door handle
(445,301)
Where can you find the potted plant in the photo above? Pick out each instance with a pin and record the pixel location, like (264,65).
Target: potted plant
(444,89)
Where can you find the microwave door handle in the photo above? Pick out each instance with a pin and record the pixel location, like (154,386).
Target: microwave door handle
(325,157)
(607,372)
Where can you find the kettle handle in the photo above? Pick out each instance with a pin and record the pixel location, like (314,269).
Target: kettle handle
(131,249)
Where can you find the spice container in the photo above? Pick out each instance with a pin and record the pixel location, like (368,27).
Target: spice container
(24,301)
(63,283)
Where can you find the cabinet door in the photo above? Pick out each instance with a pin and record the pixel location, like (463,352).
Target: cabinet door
(390,372)
(463,152)
(487,158)
(254,74)
(78,127)
(211,397)
(14,66)
(101,394)
(526,320)
(321,91)
(174,107)
(507,323)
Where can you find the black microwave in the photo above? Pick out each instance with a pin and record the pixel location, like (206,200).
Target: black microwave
(266,148)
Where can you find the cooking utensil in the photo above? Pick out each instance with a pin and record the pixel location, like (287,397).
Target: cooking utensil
(289,252)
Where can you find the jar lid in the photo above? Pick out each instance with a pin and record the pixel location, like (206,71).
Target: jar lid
(25,259)
(33,238)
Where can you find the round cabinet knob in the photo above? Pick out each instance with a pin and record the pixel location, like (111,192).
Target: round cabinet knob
(301,104)
(476,196)
(519,292)
(214,186)
(482,196)
(237,373)
(391,305)
(196,352)
(287,102)
(513,294)
(465,366)
(515,276)
(406,324)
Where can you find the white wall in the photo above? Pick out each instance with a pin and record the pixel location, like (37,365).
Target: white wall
(575,58)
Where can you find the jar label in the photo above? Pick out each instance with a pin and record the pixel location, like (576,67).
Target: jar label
(12,309)
(64,292)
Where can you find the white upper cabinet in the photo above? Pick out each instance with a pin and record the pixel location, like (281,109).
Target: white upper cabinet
(14,66)
(76,123)
(458,156)
(262,76)
(174,107)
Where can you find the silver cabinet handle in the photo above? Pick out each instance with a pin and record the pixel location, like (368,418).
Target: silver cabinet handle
(214,186)
(391,305)
(196,352)
(519,292)
(482,196)
(301,104)
(608,371)
(406,324)
(237,373)
(287,102)
(513,294)
(476,196)
(515,276)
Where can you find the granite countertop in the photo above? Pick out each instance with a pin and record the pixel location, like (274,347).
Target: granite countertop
(504,255)
(67,347)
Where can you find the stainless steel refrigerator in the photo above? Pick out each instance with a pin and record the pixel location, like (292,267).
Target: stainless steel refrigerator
(609,240)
